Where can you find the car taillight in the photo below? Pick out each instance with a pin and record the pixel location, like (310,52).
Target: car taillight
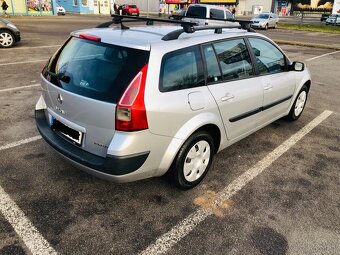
(130,111)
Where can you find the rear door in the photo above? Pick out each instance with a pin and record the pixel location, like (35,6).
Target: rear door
(82,83)
(237,92)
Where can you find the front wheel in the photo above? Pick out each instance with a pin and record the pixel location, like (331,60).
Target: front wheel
(6,39)
(193,160)
(299,104)
(266,27)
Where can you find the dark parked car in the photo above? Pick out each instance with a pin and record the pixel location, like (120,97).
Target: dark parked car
(178,15)
(9,34)
(324,16)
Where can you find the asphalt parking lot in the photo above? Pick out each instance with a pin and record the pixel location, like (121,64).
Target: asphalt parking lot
(275,192)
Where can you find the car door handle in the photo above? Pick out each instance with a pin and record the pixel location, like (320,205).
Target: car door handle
(227,97)
(268,87)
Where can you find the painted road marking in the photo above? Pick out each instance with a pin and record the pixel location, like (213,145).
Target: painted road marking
(169,239)
(21,87)
(24,141)
(24,228)
(323,55)
(23,62)
(34,241)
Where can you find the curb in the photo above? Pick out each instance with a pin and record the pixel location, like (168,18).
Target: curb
(311,45)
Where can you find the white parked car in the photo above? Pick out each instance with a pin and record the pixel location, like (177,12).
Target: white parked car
(265,20)
(202,13)
(60,10)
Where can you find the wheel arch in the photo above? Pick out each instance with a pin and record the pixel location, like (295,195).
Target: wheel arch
(215,128)
(215,133)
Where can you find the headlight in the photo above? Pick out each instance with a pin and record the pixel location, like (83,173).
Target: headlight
(12,26)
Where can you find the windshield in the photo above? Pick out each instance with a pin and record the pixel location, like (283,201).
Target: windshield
(262,16)
(94,69)
(197,12)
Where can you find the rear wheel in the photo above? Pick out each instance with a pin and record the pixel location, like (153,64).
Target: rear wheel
(299,104)
(193,160)
(7,39)
(275,26)
(266,27)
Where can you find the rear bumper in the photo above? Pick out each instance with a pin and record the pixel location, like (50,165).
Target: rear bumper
(111,167)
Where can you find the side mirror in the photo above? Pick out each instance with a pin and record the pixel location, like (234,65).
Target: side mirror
(297,66)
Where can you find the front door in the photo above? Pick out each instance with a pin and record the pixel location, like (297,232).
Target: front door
(278,84)
(231,80)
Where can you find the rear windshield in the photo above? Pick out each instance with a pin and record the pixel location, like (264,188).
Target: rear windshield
(197,12)
(94,69)
(132,6)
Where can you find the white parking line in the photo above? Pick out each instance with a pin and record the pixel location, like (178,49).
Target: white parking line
(34,241)
(168,240)
(24,228)
(23,62)
(24,141)
(20,87)
(323,55)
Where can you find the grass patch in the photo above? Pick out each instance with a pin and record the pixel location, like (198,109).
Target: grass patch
(311,27)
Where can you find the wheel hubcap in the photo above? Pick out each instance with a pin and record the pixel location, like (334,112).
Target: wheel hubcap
(300,103)
(6,39)
(196,161)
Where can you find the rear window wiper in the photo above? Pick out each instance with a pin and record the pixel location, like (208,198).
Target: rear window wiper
(60,76)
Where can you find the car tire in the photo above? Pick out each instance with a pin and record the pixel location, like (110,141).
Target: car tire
(275,26)
(7,39)
(299,104)
(193,160)
(266,27)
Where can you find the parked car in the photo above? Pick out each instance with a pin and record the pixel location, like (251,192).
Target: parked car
(60,10)
(202,13)
(265,20)
(324,16)
(333,19)
(130,105)
(178,15)
(9,34)
(130,9)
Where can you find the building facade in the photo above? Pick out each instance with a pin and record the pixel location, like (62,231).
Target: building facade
(31,7)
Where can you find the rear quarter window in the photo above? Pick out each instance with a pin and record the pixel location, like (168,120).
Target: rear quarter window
(181,69)
(95,70)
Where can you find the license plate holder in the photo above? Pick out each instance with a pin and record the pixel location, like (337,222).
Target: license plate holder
(67,132)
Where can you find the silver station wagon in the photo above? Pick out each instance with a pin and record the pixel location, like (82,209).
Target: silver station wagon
(126,103)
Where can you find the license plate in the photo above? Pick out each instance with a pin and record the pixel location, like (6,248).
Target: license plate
(66,131)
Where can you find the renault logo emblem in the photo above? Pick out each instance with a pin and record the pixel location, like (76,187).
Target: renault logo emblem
(60,99)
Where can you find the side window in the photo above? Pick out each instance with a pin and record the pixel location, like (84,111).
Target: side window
(228,15)
(213,70)
(269,59)
(181,69)
(234,59)
(216,14)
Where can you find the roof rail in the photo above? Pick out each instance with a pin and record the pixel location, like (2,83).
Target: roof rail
(243,24)
(187,27)
(119,19)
